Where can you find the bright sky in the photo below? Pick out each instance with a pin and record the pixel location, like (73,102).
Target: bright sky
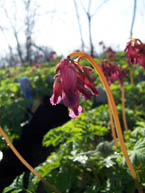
(60,31)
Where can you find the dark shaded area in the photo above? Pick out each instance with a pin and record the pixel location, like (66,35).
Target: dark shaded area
(30,146)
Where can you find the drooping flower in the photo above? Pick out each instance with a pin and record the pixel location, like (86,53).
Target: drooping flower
(141,55)
(52,55)
(136,52)
(109,69)
(132,51)
(122,73)
(113,72)
(71,80)
(109,53)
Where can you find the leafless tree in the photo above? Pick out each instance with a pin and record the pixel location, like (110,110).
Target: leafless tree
(133,18)
(43,50)
(13,25)
(30,18)
(11,54)
(22,28)
(89,17)
(79,24)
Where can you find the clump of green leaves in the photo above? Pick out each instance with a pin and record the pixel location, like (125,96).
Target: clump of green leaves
(84,160)
(13,105)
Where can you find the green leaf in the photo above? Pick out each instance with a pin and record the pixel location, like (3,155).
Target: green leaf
(7,189)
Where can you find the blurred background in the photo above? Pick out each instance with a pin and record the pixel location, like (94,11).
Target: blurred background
(37,27)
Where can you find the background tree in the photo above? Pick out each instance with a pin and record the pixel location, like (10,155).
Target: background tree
(133,18)
(31,10)
(11,58)
(15,28)
(79,24)
(21,25)
(89,18)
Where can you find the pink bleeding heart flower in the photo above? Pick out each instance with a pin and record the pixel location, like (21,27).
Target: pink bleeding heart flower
(113,72)
(132,52)
(141,55)
(136,52)
(71,80)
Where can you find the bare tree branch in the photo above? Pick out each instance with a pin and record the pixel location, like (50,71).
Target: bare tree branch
(79,24)
(105,1)
(15,32)
(89,5)
(9,46)
(89,17)
(83,6)
(89,25)
(22,26)
(133,18)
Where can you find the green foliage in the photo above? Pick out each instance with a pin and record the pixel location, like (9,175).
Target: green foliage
(134,97)
(83,154)
(82,129)
(135,144)
(13,105)
(84,159)
(18,185)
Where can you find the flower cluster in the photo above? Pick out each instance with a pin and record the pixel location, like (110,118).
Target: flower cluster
(113,72)
(52,56)
(71,80)
(108,52)
(136,52)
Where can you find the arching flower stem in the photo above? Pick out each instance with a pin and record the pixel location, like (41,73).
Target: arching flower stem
(123,108)
(112,125)
(115,114)
(26,164)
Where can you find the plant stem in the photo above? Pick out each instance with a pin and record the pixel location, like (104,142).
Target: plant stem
(131,75)
(115,115)
(112,125)
(123,108)
(26,164)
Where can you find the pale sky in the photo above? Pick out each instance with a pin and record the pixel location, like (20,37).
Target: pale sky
(60,31)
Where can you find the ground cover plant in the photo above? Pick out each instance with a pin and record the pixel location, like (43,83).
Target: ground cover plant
(102,148)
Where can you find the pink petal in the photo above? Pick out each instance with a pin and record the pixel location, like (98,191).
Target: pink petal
(83,90)
(57,91)
(73,115)
(91,85)
(53,101)
(88,82)
(71,100)
(68,77)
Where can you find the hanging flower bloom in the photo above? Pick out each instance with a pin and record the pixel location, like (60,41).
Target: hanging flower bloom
(109,69)
(132,51)
(122,73)
(109,53)
(141,55)
(136,52)
(71,80)
(113,72)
